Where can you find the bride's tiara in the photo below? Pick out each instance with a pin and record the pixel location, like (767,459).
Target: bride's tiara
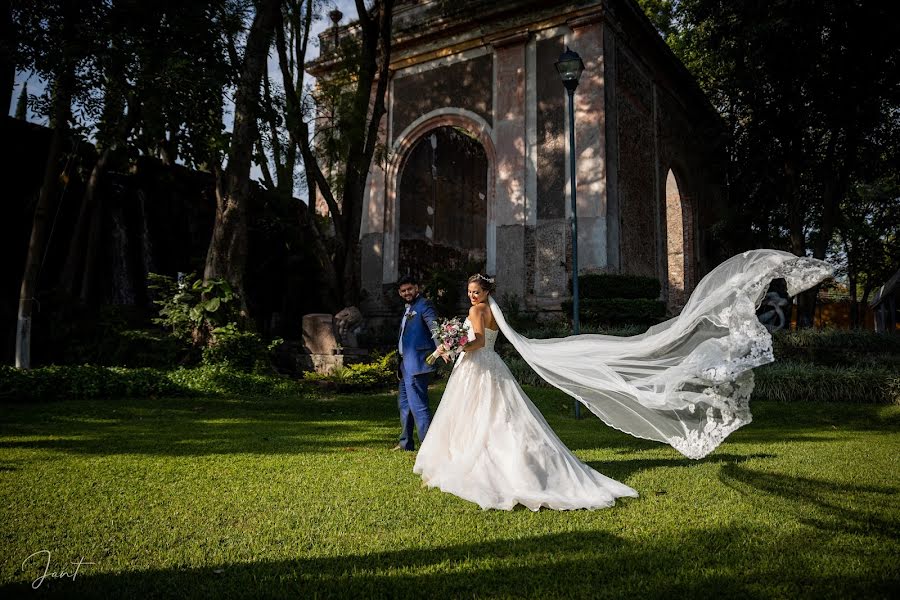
(484,278)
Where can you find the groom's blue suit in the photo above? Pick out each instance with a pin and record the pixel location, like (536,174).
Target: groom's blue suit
(415,345)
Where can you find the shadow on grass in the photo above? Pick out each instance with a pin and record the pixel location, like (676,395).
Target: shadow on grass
(623,469)
(707,563)
(825,505)
(187,427)
(331,422)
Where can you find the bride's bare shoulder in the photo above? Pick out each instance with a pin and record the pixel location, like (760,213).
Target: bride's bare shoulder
(479,310)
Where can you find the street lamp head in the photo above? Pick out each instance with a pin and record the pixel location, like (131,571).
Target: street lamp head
(569,68)
(336,16)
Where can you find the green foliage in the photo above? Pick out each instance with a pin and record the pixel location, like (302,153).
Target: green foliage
(223,380)
(142,348)
(203,315)
(599,286)
(857,341)
(619,311)
(190,304)
(88,381)
(79,382)
(838,347)
(869,242)
(662,14)
(563,328)
(792,382)
(810,366)
(512,311)
(807,382)
(800,132)
(242,350)
(523,373)
(111,335)
(379,373)
(444,289)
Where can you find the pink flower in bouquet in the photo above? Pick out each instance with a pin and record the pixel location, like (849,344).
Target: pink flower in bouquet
(450,335)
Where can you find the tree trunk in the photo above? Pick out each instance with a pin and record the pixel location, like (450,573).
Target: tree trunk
(92,249)
(374,70)
(7,63)
(62,112)
(76,256)
(806,301)
(227,255)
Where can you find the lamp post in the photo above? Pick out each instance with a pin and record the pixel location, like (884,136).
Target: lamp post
(570,66)
(336,16)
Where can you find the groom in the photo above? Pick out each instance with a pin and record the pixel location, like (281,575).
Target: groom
(415,345)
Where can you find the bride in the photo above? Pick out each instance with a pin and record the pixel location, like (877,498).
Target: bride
(686,382)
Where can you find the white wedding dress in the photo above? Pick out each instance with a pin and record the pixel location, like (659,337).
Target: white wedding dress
(489,444)
(685,382)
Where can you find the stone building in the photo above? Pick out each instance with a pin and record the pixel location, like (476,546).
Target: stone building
(476,175)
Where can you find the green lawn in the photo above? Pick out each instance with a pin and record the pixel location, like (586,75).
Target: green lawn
(301,497)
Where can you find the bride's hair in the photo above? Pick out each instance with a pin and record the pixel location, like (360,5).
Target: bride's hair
(486,283)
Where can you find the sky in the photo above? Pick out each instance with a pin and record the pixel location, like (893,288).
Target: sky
(36,85)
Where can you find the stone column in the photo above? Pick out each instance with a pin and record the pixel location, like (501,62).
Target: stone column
(610,129)
(506,219)
(371,233)
(590,143)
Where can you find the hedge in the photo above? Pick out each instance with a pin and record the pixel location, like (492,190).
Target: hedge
(88,381)
(810,341)
(805,382)
(600,286)
(792,382)
(619,311)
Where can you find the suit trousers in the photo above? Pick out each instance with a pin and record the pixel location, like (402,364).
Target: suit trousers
(413,405)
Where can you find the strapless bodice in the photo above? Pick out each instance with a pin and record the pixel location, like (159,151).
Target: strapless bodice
(490,335)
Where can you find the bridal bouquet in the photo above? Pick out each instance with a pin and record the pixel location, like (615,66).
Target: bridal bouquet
(451,335)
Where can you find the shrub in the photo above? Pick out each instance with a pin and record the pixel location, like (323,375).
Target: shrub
(443,288)
(838,347)
(563,329)
(222,380)
(803,382)
(600,286)
(523,373)
(190,305)
(241,350)
(203,316)
(379,373)
(88,381)
(78,382)
(619,311)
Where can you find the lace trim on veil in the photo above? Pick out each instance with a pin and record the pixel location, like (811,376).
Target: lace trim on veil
(688,381)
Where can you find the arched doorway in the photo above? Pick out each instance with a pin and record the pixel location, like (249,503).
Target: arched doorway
(676,248)
(442,197)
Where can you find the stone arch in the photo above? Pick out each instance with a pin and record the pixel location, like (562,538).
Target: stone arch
(400,152)
(679,238)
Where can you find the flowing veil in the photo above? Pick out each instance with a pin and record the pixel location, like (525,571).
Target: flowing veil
(687,381)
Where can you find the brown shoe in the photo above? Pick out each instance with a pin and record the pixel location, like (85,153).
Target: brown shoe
(399,447)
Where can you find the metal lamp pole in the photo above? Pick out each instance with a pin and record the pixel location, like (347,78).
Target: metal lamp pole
(570,67)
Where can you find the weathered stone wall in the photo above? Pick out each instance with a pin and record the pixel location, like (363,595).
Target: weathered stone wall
(678,152)
(637,211)
(551,128)
(465,84)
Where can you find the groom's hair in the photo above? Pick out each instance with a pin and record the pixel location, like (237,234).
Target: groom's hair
(407,279)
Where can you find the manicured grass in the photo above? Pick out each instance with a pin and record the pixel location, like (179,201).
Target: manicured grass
(301,497)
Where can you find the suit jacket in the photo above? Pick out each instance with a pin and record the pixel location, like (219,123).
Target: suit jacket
(416,342)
